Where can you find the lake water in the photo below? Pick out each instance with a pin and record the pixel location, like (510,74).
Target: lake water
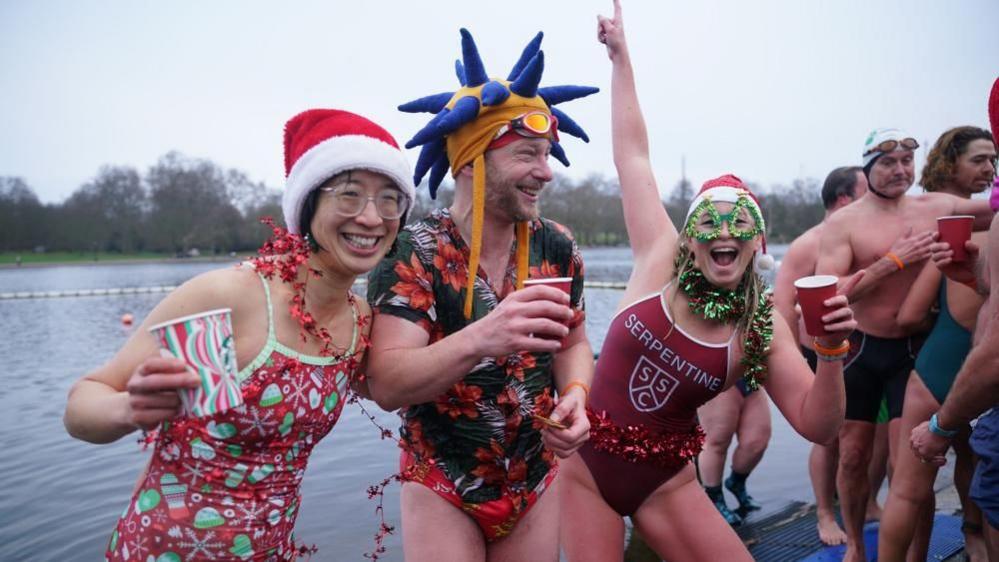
(61,497)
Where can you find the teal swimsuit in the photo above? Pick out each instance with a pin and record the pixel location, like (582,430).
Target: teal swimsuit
(944,352)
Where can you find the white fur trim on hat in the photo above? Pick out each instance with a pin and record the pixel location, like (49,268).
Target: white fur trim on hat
(339,154)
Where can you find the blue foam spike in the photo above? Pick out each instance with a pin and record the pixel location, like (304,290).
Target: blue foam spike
(429,131)
(526,84)
(494,93)
(475,71)
(464,110)
(530,50)
(567,125)
(554,95)
(428,155)
(427,104)
(559,153)
(459,71)
(437,174)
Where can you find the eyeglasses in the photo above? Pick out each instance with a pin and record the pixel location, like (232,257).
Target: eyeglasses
(892,144)
(533,124)
(390,204)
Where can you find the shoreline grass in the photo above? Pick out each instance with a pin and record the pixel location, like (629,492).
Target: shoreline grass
(10,259)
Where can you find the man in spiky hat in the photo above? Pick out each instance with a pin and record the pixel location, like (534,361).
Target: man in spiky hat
(885,360)
(473,358)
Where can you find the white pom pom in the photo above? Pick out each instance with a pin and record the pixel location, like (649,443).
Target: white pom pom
(764,262)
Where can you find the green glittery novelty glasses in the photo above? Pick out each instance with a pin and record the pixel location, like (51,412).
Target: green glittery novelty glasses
(705,223)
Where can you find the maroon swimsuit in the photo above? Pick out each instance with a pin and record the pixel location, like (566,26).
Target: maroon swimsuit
(648,387)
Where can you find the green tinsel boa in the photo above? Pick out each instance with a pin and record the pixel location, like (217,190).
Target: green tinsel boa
(728,305)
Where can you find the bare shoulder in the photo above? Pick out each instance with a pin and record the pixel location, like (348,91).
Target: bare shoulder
(934,202)
(807,243)
(844,219)
(226,286)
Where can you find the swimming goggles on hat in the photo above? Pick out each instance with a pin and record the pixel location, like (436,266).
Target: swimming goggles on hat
(533,124)
(891,144)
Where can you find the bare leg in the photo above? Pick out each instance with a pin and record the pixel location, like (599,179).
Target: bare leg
(435,530)
(680,524)
(719,417)
(877,470)
(822,462)
(992,541)
(535,537)
(855,441)
(590,529)
(924,528)
(964,469)
(753,437)
(911,490)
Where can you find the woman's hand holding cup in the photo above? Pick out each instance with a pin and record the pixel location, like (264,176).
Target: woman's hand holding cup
(826,310)
(153,391)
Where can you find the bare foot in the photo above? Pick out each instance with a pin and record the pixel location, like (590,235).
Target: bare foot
(830,532)
(855,554)
(873,512)
(974,547)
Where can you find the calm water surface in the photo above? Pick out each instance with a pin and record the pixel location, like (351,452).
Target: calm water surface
(61,497)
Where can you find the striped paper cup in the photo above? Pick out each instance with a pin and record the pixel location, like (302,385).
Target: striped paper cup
(204,341)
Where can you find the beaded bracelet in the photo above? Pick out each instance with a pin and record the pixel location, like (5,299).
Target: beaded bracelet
(580,384)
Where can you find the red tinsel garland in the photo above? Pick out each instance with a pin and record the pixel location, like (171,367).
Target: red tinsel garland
(635,443)
(282,255)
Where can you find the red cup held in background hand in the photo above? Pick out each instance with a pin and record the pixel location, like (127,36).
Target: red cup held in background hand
(813,291)
(956,230)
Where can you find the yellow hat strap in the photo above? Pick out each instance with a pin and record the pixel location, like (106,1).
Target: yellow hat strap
(523,252)
(478,216)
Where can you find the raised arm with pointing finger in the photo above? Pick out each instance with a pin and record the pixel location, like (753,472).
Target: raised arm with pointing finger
(693,320)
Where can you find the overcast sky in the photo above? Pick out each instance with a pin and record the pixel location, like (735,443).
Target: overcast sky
(771,91)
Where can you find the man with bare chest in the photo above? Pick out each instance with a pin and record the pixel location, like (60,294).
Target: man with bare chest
(860,236)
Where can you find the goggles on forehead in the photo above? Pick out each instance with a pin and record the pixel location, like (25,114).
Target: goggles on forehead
(533,124)
(890,145)
(705,223)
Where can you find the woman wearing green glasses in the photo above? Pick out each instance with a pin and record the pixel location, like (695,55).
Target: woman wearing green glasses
(226,486)
(694,320)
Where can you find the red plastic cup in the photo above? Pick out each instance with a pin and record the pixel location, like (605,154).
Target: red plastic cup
(564,284)
(956,230)
(812,292)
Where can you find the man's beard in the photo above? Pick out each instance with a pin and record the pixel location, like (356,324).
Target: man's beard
(503,197)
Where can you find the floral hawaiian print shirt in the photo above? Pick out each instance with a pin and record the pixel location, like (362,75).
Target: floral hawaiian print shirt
(480,433)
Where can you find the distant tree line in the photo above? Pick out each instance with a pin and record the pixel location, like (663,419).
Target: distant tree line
(181,204)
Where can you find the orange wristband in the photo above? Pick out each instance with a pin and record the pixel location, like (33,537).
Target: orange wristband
(841,349)
(580,384)
(894,258)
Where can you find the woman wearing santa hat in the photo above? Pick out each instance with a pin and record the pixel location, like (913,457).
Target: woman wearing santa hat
(694,320)
(224,484)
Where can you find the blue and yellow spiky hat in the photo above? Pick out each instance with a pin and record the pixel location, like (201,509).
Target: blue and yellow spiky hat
(466,122)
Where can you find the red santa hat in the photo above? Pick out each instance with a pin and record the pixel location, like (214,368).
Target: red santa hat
(727,189)
(321,143)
